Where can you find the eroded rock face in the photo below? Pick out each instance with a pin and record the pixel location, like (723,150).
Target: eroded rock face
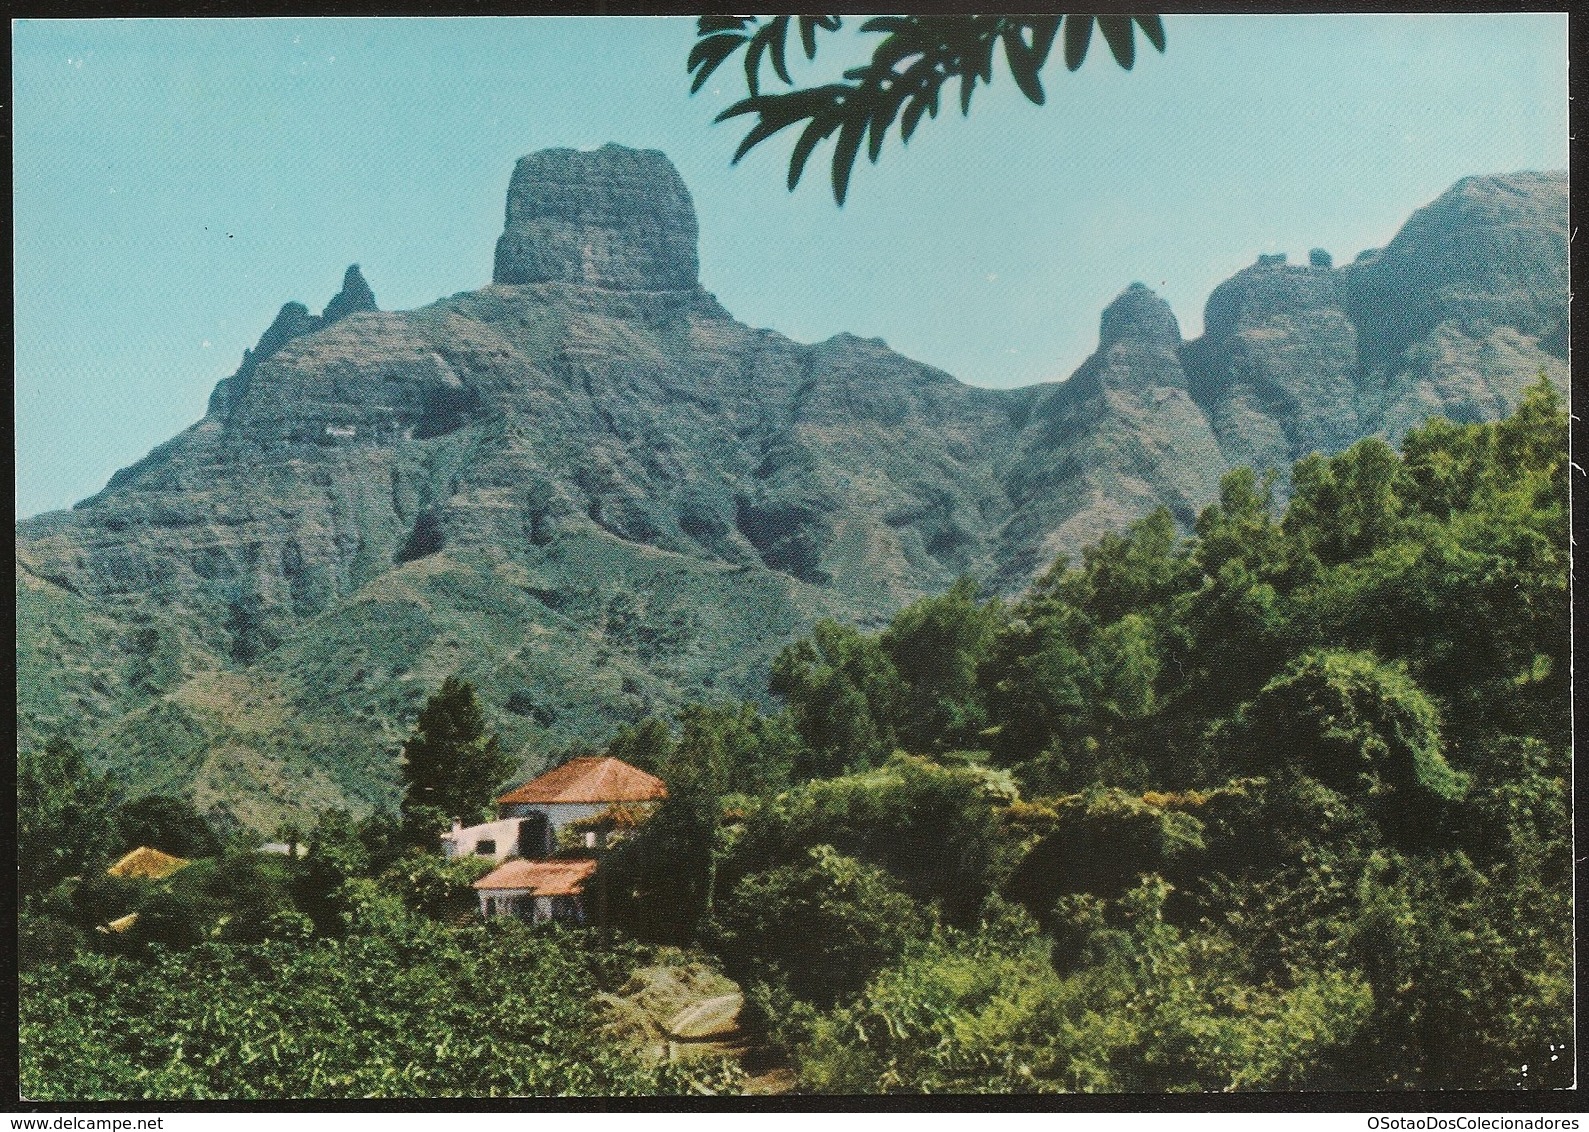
(1488,252)
(597,496)
(616,218)
(355,296)
(1139,314)
(1276,369)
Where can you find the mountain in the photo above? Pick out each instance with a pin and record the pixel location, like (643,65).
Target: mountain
(591,491)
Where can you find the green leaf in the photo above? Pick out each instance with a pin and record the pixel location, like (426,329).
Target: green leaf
(844,152)
(889,23)
(1153,28)
(707,25)
(1078,33)
(913,113)
(778,32)
(1117,32)
(1023,67)
(1044,28)
(759,133)
(818,129)
(882,116)
(708,54)
(757,45)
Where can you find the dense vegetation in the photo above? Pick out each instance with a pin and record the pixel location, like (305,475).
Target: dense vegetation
(1282,804)
(358,970)
(1279,805)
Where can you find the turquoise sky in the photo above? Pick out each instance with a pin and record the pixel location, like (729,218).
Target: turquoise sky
(176,181)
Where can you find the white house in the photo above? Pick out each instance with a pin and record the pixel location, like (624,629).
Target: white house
(536,891)
(529,817)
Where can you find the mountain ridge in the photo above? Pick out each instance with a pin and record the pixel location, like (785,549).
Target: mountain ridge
(598,498)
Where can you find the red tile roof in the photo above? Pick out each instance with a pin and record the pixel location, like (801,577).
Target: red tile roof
(542,878)
(589,780)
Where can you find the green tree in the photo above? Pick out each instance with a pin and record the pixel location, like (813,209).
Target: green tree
(934,829)
(844,697)
(337,854)
(1347,505)
(65,816)
(821,928)
(451,765)
(1128,573)
(430,886)
(1241,527)
(171,825)
(660,884)
(904,78)
(1359,726)
(734,750)
(1465,996)
(936,645)
(648,744)
(1036,682)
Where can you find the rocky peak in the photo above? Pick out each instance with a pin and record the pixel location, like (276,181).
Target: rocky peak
(1140,315)
(292,321)
(1268,289)
(616,218)
(355,296)
(1490,251)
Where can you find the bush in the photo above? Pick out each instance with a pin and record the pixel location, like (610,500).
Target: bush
(934,829)
(171,825)
(433,887)
(46,940)
(821,928)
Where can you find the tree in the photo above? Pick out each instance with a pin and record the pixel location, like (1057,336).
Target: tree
(65,818)
(823,927)
(844,696)
(451,765)
(661,883)
(904,78)
(1346,506)
(1362,728)
(171,825)
(934,829)
(936,645)
(336,855)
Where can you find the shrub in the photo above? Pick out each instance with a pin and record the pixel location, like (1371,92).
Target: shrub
(822,927)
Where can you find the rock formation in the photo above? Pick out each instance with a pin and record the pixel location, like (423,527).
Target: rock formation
(615,218)
(588,489)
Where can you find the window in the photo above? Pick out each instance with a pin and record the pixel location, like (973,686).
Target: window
(485,847)
(590,839)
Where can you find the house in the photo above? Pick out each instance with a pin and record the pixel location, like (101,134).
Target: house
(576,794)
(536,891)
(283,849)
(146,863)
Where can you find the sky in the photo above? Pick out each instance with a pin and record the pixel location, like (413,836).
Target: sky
(176,181)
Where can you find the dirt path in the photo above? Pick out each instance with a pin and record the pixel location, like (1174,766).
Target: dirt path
(687,1010)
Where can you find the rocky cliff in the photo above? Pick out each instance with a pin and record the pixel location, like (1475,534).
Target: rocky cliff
(591,491)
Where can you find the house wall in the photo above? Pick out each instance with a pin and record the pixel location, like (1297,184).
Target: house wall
(465,842)
(505,830)
(499,902)
(558,814)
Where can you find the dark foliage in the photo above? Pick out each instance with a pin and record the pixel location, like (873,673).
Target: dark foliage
(171,825)
(904,79)
(451,766)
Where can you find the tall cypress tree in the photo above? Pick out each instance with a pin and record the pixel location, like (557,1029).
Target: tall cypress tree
(451,765)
